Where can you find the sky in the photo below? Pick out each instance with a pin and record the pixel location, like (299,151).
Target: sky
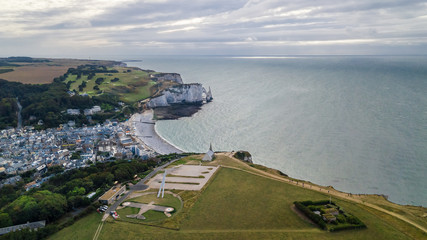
(91,28)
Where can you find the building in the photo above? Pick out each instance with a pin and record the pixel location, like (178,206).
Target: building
(111,194)
(96,109)
(209,156)
(31,225)
(87,112)
(73,111)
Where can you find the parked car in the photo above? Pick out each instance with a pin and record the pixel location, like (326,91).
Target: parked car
(114,214)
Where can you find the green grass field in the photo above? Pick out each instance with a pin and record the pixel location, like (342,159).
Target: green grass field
(241,205)
(132,86)
(82,229)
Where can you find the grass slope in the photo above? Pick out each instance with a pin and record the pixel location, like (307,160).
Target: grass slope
(240,204)
(82,229)
(132,86)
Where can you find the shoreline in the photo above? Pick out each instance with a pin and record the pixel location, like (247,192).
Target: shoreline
(143,122)
(144,129)
(168,142)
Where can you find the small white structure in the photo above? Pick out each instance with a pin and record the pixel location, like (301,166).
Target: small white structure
(209,156)
(73,111)
(87,112)
(96,109)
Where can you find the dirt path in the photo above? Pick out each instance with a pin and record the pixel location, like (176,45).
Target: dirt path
(328,190)
(98,230)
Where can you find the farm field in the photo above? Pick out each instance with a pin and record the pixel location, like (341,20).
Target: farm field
(242,204)
(44,72)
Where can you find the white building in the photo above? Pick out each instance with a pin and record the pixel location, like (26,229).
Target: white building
(73,111)
(96,109)
(209,156)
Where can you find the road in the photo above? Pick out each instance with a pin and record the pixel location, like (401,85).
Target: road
(137,187)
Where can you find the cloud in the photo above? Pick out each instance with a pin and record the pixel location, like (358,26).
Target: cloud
(214,27)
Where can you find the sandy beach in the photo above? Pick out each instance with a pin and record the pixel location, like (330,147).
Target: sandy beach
(143,128)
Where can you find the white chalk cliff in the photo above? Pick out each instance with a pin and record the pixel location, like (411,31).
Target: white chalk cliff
(175,77)
(193,93)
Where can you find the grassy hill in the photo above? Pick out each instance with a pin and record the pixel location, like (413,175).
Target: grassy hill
(242,202)
(132,84)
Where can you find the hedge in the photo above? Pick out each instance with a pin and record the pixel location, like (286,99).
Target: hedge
(314,217)
(345,227)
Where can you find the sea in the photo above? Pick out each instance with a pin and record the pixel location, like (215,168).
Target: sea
(357,123)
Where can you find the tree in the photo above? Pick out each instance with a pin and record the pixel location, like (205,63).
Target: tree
(52,205)
(23,209)
(77,191)
(75,155)
(99,80)
(5,220)
(100,179)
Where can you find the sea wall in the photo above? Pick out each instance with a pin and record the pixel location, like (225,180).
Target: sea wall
(193,93)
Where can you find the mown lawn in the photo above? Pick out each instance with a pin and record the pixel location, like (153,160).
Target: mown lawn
(168,200)
(152,217)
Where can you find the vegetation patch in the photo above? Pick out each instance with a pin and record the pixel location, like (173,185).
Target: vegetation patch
(329,216)
(5,70)
(243,155)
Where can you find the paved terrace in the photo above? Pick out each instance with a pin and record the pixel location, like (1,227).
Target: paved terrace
(185,177)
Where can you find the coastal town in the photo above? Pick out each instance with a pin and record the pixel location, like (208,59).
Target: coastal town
(25,149)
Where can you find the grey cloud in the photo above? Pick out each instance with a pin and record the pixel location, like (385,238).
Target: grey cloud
(260,26)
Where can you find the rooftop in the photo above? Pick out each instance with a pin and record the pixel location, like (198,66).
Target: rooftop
(110,193)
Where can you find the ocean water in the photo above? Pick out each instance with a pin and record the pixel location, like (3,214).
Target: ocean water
(356,123)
